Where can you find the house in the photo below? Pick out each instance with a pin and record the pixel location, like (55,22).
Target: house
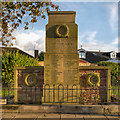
(97,56)
(14,49)
(83,63)
(41,63)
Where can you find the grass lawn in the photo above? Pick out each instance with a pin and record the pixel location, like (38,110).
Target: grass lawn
(115,90)
(6,92)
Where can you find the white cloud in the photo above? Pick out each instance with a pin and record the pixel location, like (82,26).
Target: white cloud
(113,14)
(91,36)
(89,42)
(88,38)
(115,41)
(30,40)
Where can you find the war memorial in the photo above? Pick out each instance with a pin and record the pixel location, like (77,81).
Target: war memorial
(62,80)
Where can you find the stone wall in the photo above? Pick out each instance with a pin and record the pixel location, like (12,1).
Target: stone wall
(29,82)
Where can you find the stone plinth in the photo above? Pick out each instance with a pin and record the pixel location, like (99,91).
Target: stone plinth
(59,93)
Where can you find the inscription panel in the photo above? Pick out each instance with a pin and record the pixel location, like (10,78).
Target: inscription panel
(59,68)
(61,45)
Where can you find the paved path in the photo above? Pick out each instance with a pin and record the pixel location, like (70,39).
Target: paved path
(38,116)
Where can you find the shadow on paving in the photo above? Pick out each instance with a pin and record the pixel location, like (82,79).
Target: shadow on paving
(60,119)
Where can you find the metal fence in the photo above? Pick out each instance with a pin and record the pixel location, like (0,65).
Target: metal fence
(61,94)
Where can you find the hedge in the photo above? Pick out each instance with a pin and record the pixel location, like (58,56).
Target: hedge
(114,71)
(12,59)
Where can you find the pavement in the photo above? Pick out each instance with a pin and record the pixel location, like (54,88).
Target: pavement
(43,116)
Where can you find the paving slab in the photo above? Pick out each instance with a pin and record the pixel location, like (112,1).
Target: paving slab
(9,115)
(39,116)
(24,115)
(48,116)
(68,116)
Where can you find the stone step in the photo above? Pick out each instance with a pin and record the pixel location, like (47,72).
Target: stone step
(64,109)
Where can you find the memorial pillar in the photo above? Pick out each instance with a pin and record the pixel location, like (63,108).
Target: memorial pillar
(61,60)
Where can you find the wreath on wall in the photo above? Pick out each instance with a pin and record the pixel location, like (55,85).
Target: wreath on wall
(62,30)
(31,80)
(96,81)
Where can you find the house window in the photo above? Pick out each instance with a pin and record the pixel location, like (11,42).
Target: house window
(82,55)
(113,55)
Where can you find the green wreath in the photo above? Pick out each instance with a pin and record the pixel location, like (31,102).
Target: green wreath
(34,78)
(58,32)
(97,81)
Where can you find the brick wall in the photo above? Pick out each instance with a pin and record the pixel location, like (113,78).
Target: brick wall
(29,83)
(98,93)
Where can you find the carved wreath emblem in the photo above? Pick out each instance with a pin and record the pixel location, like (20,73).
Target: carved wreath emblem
(31,80)
(93,79)
(62,30)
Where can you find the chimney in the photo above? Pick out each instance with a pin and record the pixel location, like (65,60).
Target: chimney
(35,53)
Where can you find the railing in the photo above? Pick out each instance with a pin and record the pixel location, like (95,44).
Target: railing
(34,95)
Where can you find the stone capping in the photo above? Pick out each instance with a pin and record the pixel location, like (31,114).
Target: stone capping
(61,12)
(29,67)
(94,67)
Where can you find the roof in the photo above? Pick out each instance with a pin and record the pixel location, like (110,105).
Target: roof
(118,54)
(94,57)
(15,49)
(82,61)
(81,50)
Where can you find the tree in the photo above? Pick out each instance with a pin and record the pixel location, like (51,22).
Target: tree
(14,12)
(9,60)
(41,56)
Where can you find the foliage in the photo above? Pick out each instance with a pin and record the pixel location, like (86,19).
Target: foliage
(41,56)
(115,90)
(7,91)
(11,59)
(14,12)
(114,70)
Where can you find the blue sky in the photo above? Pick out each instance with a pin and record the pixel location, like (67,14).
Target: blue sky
(97,27)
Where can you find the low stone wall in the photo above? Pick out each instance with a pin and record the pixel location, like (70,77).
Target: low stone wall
(30,87)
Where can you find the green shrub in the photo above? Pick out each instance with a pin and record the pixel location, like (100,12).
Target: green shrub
(12,59)
(114,71)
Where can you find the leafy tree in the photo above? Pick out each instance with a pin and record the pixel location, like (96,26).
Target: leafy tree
(9,60)
(14,12)
(114,71)
(41,56)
